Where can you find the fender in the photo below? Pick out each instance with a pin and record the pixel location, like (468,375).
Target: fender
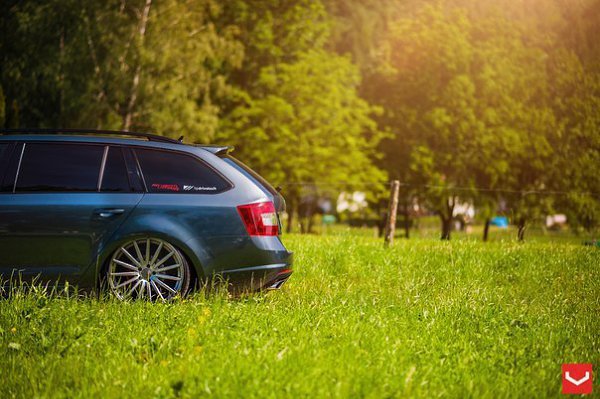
(159,226)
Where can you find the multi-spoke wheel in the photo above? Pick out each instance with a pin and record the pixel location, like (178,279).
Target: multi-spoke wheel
(148,268)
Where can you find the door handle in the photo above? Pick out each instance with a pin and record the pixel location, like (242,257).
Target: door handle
(108,213)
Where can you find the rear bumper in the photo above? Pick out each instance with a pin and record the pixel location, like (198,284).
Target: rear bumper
(258,278)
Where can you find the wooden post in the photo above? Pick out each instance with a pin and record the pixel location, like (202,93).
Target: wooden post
(390,228)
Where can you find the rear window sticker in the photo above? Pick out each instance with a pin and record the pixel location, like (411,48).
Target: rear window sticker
(167,187)
(199,188)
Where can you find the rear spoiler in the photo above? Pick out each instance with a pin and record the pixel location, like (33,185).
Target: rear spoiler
(218,150)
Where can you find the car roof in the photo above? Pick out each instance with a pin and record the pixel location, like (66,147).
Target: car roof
(106,137)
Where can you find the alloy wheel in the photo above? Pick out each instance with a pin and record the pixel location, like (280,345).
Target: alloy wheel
(148,268)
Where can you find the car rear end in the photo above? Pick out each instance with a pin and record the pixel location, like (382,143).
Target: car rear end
(266,263)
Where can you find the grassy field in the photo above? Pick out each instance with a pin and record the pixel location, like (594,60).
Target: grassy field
(422,319)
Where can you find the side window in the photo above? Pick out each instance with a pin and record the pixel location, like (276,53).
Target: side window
(50,167)
(115,176)
(170,172)
(11,159)
(4,157)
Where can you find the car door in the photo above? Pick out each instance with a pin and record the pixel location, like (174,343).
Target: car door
(67,199)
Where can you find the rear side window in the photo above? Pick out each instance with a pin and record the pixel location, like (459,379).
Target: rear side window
(171,172)
(115,177)
(53,167)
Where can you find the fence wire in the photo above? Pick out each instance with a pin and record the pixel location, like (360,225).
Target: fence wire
(440,187)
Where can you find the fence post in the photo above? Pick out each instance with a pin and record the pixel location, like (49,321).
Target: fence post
(390,226)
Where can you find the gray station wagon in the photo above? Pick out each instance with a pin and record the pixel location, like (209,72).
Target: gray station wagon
(147,215)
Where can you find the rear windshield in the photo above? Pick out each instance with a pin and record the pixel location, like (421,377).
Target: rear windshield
(236,163)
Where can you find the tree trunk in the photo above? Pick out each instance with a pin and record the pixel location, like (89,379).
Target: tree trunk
(13,119)
(521,231)
(310,223)
(446,227)
(406,222)
(61,79)
(101,96)
(291,214)
(486,229)
(446,217)
(390,226)
(302,221)
(128,117)
(381,225)
(309,217)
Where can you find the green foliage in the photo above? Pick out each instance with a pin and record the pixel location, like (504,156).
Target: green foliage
(307,124)
(297,116)
(434,105)
(419,319)
(40,41)
(275,31)
(166,77)
(358,26)
(135,65)
(271,33)
(471,98)
(576,94)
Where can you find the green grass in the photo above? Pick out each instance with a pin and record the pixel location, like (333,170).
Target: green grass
(422,319)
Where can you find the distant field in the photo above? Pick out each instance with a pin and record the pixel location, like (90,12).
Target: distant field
(422,319)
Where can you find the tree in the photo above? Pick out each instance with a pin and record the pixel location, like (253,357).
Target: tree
(307,124)
(272,33)
(286,102)
(429,99)
(126,65)
(467,99)
(40,42)
(160,66)
(576,94)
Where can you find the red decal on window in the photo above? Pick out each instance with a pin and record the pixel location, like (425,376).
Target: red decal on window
(168,187)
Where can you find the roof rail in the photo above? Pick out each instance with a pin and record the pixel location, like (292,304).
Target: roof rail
(148,136)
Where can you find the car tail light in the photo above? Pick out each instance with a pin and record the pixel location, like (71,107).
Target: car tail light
(260,218)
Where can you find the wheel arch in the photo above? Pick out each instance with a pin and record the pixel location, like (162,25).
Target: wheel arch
(191,247)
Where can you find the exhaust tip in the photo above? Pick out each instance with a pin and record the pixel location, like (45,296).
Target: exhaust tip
(280,280)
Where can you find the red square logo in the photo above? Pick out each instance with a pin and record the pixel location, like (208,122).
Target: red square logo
(577,378)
